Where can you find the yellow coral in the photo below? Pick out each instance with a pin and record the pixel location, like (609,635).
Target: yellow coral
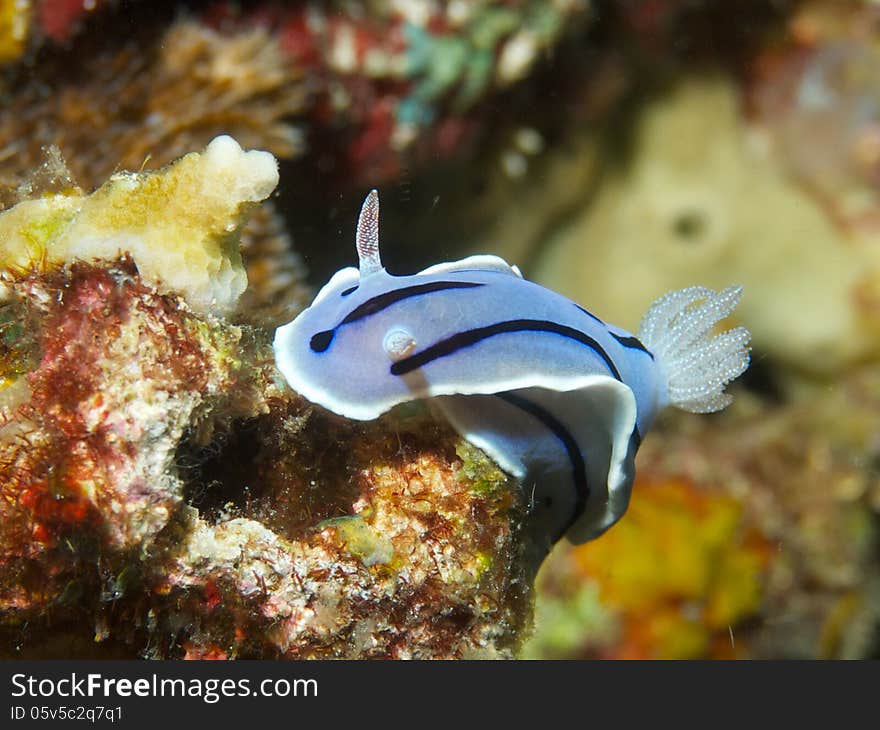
(677,569)
(180,225)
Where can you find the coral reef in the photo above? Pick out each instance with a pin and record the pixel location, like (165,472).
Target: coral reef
(377,89)
(236,84)
(163,495)
(399,82)
(381,86)
(385,544)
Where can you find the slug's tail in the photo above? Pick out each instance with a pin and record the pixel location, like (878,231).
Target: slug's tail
(697,364)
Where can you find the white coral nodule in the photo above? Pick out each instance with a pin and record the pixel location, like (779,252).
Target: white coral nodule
(677,329)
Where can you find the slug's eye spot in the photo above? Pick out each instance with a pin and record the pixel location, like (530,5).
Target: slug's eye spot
(321,341)
(398,344)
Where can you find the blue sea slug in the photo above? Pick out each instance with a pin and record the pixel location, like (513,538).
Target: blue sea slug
(558,398)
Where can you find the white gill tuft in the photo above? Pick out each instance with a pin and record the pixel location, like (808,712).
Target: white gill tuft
(678,330)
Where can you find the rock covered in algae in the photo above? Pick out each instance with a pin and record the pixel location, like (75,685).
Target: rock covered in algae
(102,375)
(374,543)
(164,495)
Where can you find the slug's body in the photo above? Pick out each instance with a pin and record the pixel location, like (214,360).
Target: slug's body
(556,396)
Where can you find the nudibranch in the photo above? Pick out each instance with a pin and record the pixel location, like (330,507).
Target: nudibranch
(557,397)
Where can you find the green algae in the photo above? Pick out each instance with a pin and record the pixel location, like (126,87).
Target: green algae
(482,474)
(362,540)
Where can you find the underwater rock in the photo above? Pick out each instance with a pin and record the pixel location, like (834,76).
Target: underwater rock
(164,495)
(179,225)
(698,202)
(391,545)
(350,542)
(102,375)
